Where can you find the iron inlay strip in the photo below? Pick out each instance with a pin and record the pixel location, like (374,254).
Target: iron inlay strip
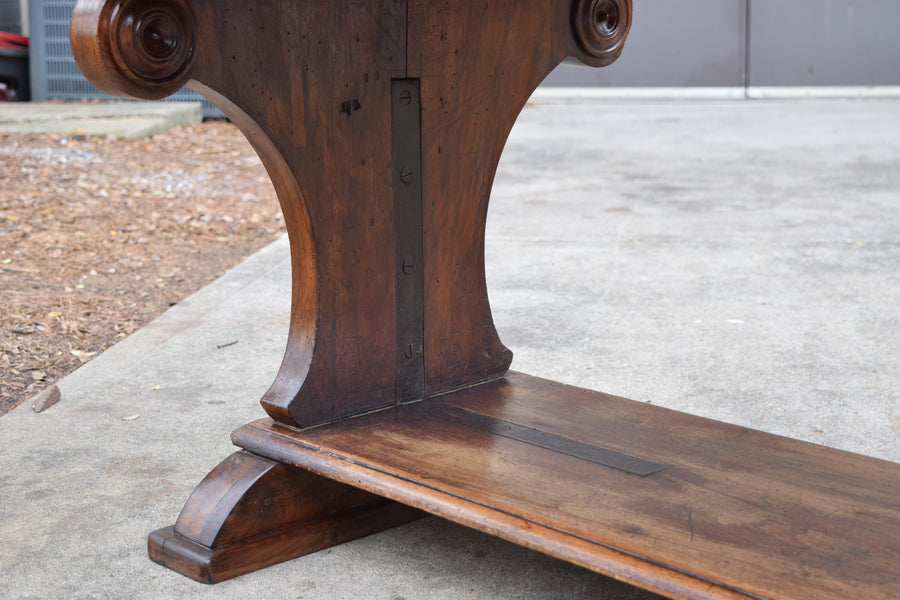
(409,287)
(543,439)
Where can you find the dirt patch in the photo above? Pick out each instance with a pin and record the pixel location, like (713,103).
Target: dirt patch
(99,236)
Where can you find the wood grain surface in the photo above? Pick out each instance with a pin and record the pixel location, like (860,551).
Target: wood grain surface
(251,512)
(310,85)
(733,513)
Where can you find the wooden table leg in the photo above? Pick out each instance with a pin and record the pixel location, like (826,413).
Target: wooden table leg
(381,123)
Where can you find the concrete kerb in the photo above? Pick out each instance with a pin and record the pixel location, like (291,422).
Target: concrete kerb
(125,120)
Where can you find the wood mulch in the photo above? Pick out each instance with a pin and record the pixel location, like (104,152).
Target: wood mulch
(99,236)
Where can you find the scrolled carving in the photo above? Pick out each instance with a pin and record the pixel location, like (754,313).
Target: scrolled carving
(601,26)
(155,39)
(141,48)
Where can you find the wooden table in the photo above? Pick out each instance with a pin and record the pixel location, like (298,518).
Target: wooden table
(381,123)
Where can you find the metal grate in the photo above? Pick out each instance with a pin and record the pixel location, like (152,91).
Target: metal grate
(54,73)
(10,17)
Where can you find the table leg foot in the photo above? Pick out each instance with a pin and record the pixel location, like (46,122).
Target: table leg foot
(250,513)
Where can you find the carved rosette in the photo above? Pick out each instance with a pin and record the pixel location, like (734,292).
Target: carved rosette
(139,48)
(600,27)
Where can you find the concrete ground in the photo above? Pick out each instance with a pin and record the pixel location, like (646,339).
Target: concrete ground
(127,120)
(734,259)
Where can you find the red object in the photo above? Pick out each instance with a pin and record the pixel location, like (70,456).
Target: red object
(13,41)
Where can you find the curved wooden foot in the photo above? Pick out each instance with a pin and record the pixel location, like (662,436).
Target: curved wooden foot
(251,512)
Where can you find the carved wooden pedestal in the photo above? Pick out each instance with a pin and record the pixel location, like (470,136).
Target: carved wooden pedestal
(381,123)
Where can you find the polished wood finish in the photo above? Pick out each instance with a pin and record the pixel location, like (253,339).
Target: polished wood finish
(381,123)
(251,512)
(732,512)
(313,94)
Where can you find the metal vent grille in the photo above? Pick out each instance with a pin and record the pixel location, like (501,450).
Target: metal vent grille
(54,73)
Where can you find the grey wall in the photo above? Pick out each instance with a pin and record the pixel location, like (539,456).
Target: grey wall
(753,42)
(824,42)
(674,42)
